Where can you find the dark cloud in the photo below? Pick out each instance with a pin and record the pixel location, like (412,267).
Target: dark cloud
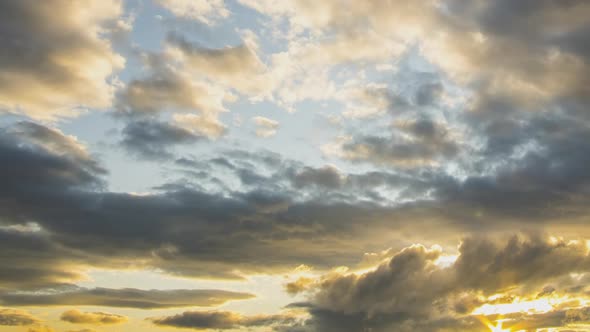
(32,260)
(125,298)
(546,179)
(412,293)
(222,320)
(186,230)
(65,162)
(419,142)
(181,229)
(328,177)
(152,139)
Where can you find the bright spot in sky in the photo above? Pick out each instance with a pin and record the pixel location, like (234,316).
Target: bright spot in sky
(534,306)
(498,327)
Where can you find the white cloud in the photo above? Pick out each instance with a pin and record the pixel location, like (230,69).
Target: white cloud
(265,126)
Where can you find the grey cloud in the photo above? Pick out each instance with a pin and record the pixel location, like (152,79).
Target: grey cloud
(221,320)
(124,298)
(65,161)
(32,260)
(328,177)
(543,181)
(195,104)
(186,230)
(180,229)
(164,89)
(553,319)
(151,139)
(428,142)
(410,292)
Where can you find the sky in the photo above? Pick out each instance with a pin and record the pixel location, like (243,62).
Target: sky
(294,165)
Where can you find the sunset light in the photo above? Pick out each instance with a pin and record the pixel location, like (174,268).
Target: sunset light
(294,165)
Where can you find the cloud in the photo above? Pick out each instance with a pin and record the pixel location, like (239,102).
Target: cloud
(265,126)
(327,176)
(195,103)
(235,67)
(221,320)
(152,139)
(194,242)
(12,317)
(44,70)
(478,33)
(96,318)
(203,124)
(493,137)
(124,298)
(206,11)
(50,143)
(412,292)
(33,260)
(277,209)
(167,88)
(517,49)
(300,285)
(420,142)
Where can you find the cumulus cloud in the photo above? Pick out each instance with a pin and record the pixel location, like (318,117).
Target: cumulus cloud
(298,286)
(412,292)
(52,66)
(12,317)
(222,320)
(97,318)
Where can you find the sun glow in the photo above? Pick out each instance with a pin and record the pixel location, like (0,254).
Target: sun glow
(535,306)
(498,327)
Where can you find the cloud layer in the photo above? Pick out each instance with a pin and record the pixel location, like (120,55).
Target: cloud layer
(369,127)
